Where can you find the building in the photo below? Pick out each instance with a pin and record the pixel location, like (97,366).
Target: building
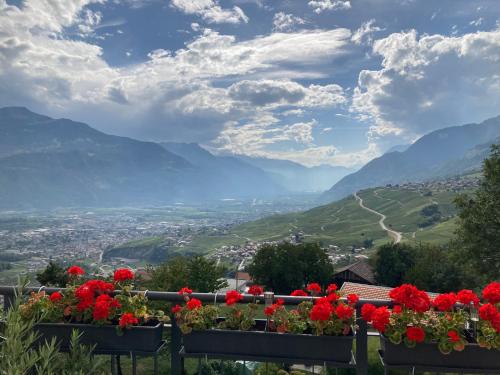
(360,272)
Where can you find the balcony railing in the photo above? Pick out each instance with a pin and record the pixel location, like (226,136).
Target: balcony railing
(177,364)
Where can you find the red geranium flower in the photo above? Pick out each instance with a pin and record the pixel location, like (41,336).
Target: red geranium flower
(321,311)
(366,311)
(114,303)
(333,297)
(128,319)
(352,299)
(185,290)
(453,336)
(397,309)
(415,334)
(101,310)
(123,274)
(56,296)
(255,290)
(491,293)
(314,288)
(75,271)
(344,311)
(232,297)
(488,312)
(467,297)
(380,318)
(269,310)
(280,301)
(176,309)
(331,288)
(445,302)
(298,293)
(193,304)
(409,296)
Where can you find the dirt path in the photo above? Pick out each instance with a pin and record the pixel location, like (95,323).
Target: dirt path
(396,236)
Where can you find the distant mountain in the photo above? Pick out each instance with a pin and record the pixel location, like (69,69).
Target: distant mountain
(445,152)
(297,177)
(398,148)
(48,162)
(228,176)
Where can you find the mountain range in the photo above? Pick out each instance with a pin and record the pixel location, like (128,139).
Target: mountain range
(446,152)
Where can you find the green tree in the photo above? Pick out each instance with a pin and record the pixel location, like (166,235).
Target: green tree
(197,272)
(53,275)
(392,262)
(285,267)
(479,221)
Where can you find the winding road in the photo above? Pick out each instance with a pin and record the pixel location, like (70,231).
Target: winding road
(396,236)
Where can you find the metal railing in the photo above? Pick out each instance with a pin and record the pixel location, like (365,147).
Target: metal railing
(361,351)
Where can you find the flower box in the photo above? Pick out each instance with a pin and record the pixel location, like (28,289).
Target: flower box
(258,343)
(105,338)
(428,354)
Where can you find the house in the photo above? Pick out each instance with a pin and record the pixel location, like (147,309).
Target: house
(371,292)
(360,272)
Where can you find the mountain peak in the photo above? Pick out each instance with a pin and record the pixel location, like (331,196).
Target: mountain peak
(21,113)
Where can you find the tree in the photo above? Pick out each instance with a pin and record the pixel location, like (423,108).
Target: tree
(285,267)
(479,221)
(197,272)
(392,262)
(53,275)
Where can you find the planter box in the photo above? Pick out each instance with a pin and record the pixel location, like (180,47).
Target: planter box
(105,338)
(269,344)
(428,354)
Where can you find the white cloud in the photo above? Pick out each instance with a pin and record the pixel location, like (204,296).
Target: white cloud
(210,11)
(477,22)
(322,5)
(430,82)
(364,35)
(286,22)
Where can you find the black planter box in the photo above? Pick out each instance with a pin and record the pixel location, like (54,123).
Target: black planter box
(428,354)
(269,344)
(105,338)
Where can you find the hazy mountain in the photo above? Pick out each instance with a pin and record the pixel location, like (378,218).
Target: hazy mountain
(228,176)
(448,151)
(297,177)
(48,162)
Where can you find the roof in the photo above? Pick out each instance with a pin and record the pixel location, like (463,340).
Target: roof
(371,292)
(360,268)
(243,276)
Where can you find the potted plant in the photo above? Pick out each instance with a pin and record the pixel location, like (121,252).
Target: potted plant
(443,332)
(319,331)
(104,312)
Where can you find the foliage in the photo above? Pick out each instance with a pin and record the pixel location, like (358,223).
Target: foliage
(53,275)
(415,318)
(285,267)
(92,301)
(479,221)
(392,262)
(201,274)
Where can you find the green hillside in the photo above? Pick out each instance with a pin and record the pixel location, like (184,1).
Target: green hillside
(345,223)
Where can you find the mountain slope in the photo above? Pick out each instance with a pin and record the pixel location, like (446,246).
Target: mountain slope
(228,176)
(436,154)
(297,177)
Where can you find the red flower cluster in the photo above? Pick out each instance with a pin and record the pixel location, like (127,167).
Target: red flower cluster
(491,293)
(103,306)
(467,297)
(176,309)
(453,336)
(255,290)
(331,288)
(128,319)
(123,274)
(415,334)
(232,297)
(298,293)
(352,299)
(488,312)
(410,297)
(86,293)
(193,304)
(397,309)
(56,296)
(366,311)
(269,310)
(185,290)
(380,318)
(314,288)
(75,271)
(322,310)
(445,301)
(344,311)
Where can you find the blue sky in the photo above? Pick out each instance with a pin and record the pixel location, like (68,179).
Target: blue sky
(314,81)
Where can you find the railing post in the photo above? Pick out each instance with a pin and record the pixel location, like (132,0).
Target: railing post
(361,345)
(176,362)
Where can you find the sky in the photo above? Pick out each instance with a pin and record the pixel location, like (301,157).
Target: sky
(334,82)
